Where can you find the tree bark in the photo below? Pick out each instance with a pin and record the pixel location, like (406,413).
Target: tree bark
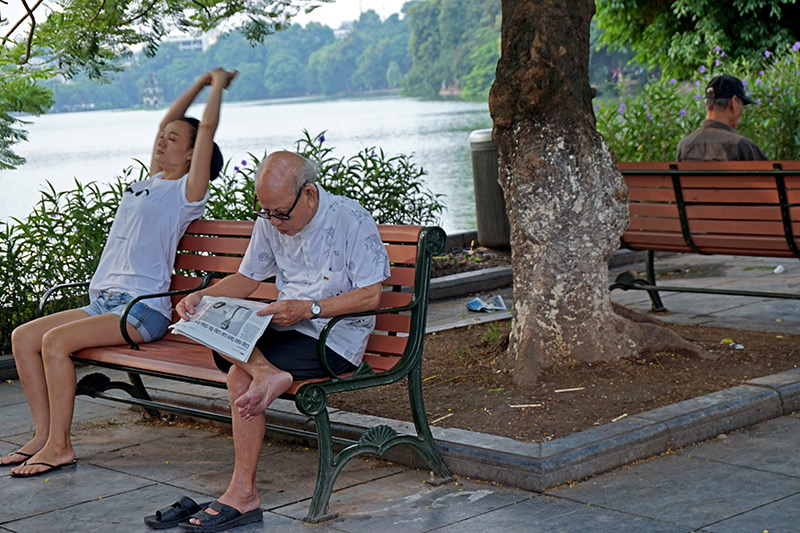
(566,200)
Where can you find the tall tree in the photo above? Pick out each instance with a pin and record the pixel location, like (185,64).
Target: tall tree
(566,200)
(678,34)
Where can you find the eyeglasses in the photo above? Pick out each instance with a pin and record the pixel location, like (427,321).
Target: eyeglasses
(265,213)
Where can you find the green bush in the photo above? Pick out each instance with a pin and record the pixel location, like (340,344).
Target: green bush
(391,188)
(648,127)
(61,240)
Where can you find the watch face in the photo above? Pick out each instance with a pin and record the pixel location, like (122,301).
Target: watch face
(315,309)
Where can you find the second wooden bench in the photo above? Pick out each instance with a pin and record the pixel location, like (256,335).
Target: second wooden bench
(723,207)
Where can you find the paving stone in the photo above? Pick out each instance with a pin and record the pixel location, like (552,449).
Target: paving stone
(769,446)
(403,502)
(299,464)
(781,515)
(554,515)
(60,490)
(175,456)
(18,421)
(11,394)
(682,490)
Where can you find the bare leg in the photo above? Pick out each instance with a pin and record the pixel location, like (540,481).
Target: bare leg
(26,344)
(57,345)
(248,437)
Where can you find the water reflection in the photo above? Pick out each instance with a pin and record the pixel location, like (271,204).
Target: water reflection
(98,145)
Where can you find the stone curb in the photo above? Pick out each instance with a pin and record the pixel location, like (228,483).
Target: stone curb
(541,466)
(487,279)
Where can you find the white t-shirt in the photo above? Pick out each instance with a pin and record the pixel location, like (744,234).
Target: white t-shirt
(338,251)
(140,250)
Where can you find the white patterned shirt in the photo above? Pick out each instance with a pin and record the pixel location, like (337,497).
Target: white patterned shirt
(340,250)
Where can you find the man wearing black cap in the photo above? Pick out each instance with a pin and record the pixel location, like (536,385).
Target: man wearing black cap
(716,139)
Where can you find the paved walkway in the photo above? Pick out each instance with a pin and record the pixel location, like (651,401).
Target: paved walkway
(746,480)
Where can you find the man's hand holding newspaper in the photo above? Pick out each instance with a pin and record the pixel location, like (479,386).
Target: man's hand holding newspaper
(227,325)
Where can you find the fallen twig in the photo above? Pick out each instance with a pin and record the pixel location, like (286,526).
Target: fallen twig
(448,415)
(573,389)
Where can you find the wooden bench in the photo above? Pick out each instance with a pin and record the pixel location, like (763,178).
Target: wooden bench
(731,208)
(211,249)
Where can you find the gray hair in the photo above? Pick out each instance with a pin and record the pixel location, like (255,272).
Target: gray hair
(717,104)
(308,171)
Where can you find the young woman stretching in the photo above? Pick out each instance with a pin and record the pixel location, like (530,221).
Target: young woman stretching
(137,259)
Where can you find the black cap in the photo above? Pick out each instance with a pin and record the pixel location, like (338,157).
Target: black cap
(725,86)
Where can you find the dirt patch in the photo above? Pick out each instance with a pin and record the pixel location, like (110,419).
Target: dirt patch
(468,259)
(465,386)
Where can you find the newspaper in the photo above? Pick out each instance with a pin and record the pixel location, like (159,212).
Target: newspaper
(227,325)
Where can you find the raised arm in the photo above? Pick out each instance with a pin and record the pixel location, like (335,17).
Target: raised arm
(199,171)
(176,111)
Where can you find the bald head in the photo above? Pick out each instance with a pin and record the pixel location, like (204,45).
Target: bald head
(282,189)
(282,170)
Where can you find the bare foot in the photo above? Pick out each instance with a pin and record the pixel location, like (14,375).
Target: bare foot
(23,454)
(15,458)
(51,457)
(262,392)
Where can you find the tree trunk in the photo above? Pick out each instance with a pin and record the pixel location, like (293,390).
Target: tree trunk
(566,200)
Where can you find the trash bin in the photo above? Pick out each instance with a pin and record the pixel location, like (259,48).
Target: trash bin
(494,230)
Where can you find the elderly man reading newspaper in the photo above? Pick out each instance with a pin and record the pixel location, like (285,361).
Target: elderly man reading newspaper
(328,259)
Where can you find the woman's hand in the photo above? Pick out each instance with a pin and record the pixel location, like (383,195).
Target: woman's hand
(222,77)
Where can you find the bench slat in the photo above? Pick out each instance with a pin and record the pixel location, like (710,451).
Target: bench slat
(403,276)
(395,299)
(400,234)
(393,322)
(404,254)
(699,226)
(213,244)
(241,228)
(208,263)
(167,356)
(384,344)
(709,243)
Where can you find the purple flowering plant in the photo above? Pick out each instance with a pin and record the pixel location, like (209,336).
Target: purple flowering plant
(667,109)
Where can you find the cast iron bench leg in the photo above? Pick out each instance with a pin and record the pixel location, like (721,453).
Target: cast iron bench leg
(326,473)
(427,445)
(656,305)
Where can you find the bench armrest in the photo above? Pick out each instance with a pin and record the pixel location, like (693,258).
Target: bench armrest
(123,319)
(363,368)
(49,292)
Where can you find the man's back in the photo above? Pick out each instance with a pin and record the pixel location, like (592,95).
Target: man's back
(716,141)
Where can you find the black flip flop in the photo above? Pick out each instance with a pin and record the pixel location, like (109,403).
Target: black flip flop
(17,463)
(227,518)
(173,515)
(50,468)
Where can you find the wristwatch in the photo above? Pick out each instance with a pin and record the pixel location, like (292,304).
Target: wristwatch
(315,309)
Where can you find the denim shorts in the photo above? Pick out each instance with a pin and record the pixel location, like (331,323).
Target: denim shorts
(150,324)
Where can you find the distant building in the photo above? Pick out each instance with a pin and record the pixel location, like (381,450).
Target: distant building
(344,29)
(152,93)
(192,43)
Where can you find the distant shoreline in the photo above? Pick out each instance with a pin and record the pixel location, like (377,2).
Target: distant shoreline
(283,100)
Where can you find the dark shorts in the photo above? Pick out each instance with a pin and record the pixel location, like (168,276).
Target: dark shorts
(294,353)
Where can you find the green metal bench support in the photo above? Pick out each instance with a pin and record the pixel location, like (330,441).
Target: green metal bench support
(311,399)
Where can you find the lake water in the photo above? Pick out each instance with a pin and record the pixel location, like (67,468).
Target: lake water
(97,145)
